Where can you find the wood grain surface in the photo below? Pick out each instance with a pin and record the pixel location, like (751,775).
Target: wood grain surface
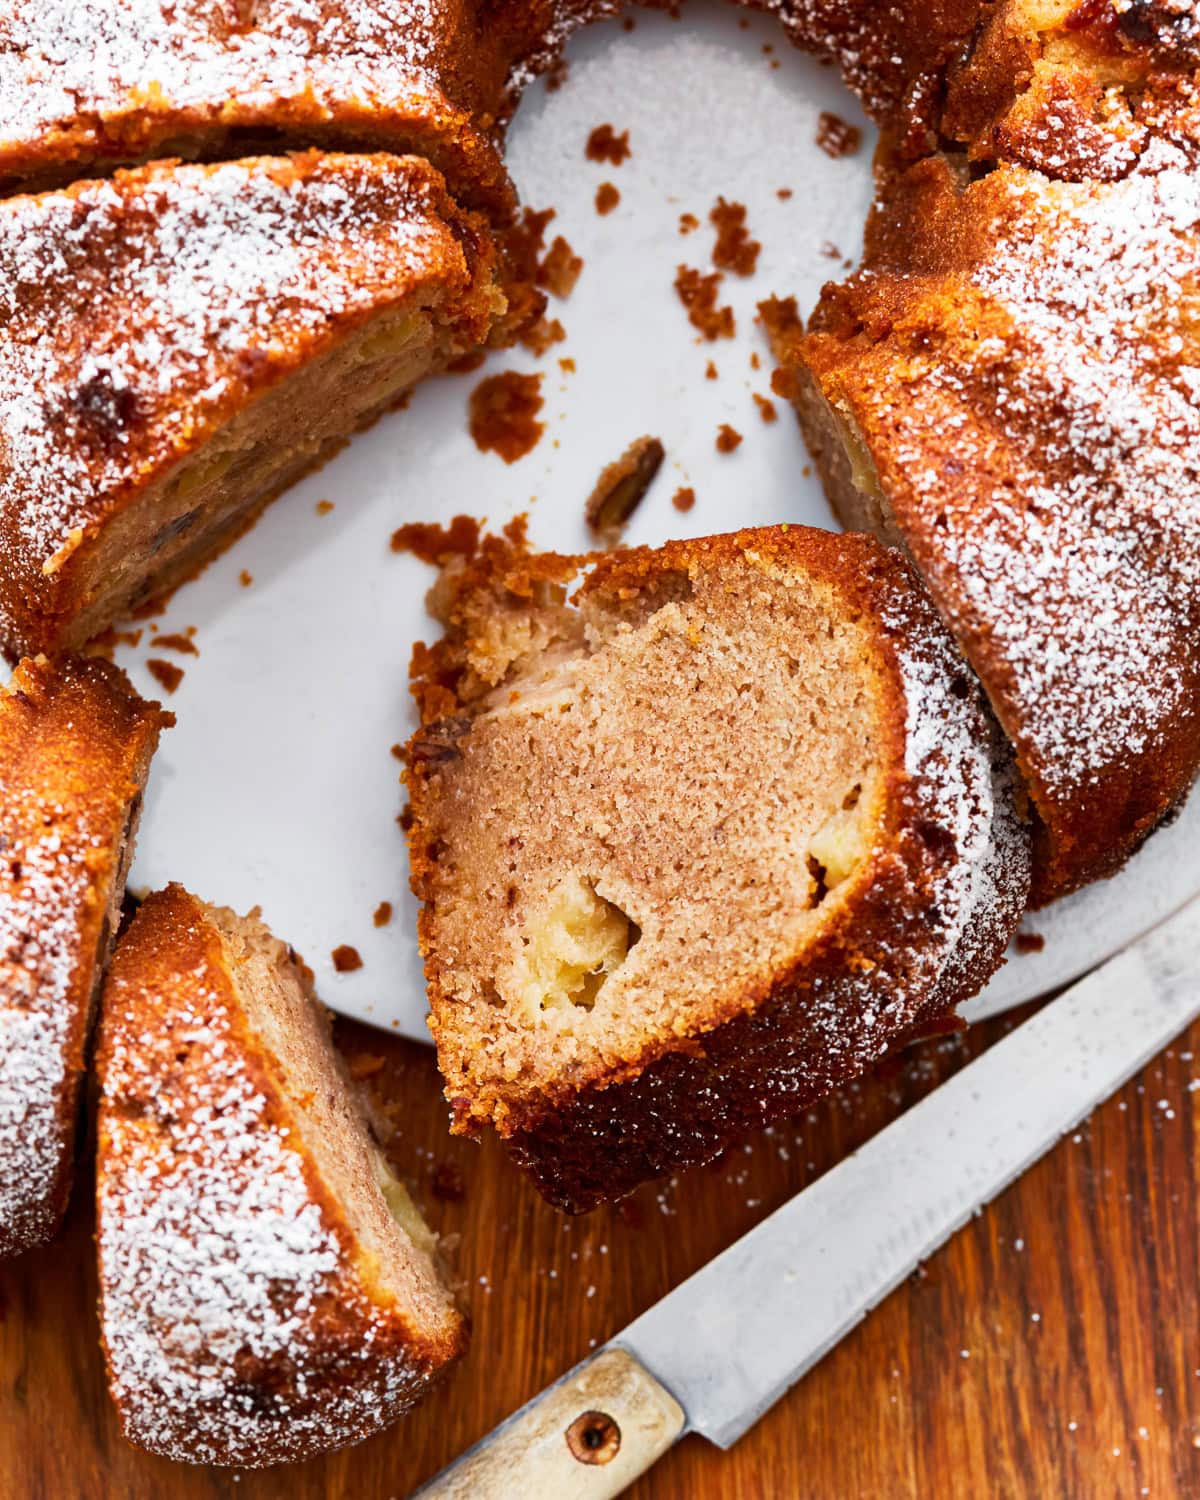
(1051,1350)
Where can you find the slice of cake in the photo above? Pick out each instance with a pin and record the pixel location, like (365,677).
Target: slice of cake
(75,748)
(268,1289)
(228,78)
(1009,389)
(696,843)
(181,343)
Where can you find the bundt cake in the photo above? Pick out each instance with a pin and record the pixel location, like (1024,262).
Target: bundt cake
(268,1289)
(695,843)
(181,342)
(1018,136)
(75,747)
(1009,388)
(86,85)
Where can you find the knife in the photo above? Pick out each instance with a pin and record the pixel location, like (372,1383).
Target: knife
(713,1355)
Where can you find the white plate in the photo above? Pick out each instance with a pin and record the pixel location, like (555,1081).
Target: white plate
(278,787)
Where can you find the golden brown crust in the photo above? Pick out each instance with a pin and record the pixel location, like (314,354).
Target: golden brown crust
(354,75)
(1066,87)
(917,935)
(242,1321)
(86,85)
(1014,363)
(75,748)
(152,314)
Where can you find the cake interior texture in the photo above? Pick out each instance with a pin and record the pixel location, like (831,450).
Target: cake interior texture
(669,791)
(213,493)
(396,1251)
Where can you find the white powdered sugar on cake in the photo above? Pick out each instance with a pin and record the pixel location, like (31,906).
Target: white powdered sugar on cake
(39,967)
(1089,601)
(177,283)
(219,1269)
(92,57)
(968,785)
(963,789)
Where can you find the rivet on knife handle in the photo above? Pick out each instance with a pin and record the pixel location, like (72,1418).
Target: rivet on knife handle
(590,1436)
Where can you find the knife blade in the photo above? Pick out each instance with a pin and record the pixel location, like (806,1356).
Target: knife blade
(714,1354)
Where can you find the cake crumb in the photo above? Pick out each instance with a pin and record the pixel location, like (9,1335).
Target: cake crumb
(607,198)
(836,137)
(710,371)
(383,914)
(766,407)
(175,642)
(245,578)
(503,415)
(684,498)
(165,673)
(433,544)
(728,438)
(734,249)
(560,268)
(105,644)
(324,507)
(346,959)
(543,335)
(783,194)
(698,293)
(687,223)
(604,144)
(567,365)
(621,488)
(1030,942)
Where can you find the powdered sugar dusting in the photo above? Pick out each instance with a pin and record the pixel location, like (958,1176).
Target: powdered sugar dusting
(967,780)
(962,796)
(1033,416)
(134,314)
(236,1329)
(40,962)
(1092,605)
(66,61)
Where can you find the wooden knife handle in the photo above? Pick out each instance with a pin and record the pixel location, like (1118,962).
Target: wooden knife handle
(589,1436)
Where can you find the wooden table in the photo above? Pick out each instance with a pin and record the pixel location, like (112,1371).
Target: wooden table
(1050,1352)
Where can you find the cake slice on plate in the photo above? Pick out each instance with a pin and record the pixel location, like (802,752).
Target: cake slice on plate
(268,1289)
(75,749)
(696,843)
(1008,388)
(179,344)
